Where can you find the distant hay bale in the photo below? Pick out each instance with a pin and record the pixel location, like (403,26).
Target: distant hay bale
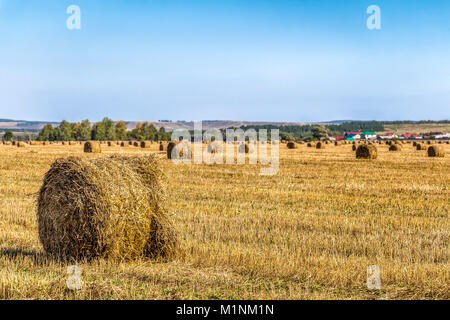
(366,151)
(124,144)
(72,143)
(436,151)
(170,148)
(414,144)
(146,144)
(311,145)
(448,142)
(244,148)
(111,144)
(13,143)
(21,144)
(105,208)
(395,147)
(320,145)
(181,149)
(336,143)
(130,143)
(92,147)
(136,144)
(291,145)
(354,147)
(421,146)
(161,146)
(7,143)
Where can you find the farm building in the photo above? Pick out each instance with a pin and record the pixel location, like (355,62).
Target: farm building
(389,135)
(368,135)
(410,136)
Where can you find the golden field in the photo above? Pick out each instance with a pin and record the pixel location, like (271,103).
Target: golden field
(310,232)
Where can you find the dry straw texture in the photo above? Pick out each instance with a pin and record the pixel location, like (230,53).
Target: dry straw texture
(291,145)
(436,151)
(104,208)
(92,147)
(366,151)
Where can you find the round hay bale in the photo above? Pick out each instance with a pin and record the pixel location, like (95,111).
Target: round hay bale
(311,145)
(124,144)
(354,147)
(72,143)
(7,143)
(136,144)
(366,151)
(104,208)
(92,147)
(395,147)
(320,145)
(244,148)
(179,148)
(420,146)
(215,147)
(161,146)
(336,143)
(111,143)
(21,144)
(170,148)
(414,144)
(145,144)
(291,145)
(436,151)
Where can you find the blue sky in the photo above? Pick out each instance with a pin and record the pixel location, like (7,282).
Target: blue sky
(273,60)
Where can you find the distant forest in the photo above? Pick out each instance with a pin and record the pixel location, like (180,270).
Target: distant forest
(306,131)
(106,129)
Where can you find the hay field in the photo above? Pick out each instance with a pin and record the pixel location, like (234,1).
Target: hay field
(309,232)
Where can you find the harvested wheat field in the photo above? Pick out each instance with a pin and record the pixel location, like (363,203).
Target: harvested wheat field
(309,232)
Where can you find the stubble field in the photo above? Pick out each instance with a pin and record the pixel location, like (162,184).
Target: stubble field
(309,232)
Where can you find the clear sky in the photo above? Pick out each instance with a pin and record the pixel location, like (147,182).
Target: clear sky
(296,60)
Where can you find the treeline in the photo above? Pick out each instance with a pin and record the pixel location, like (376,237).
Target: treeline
(310,131)
(417,122)
(104,130)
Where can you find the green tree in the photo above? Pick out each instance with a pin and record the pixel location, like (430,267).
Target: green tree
(8,136)
(65,131)
(85,130)
(110,130)
(319,132)
(121,130)
(46,133)
(98,131)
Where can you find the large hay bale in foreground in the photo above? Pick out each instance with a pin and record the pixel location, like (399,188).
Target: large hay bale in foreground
(320,145)
(291,145)
(436,151)
(92,147)
(395,147)
(366,151)
(104,208)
